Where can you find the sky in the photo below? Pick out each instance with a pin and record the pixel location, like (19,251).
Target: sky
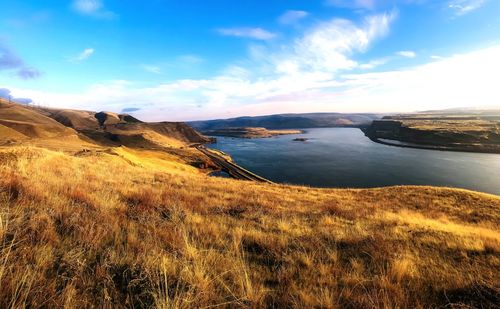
(173,60)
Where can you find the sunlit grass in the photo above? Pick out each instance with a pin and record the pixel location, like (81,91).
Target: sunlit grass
(123,228)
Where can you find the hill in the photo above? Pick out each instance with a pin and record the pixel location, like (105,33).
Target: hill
(76,119)
(289,121)
(20,122)
(101,221)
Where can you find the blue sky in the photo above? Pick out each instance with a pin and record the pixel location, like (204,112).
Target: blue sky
(186,60)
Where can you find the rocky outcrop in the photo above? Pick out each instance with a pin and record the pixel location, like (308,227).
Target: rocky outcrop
(437,133)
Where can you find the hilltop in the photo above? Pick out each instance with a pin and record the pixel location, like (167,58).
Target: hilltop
(120,215)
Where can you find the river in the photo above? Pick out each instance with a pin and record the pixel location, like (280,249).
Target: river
(345,158)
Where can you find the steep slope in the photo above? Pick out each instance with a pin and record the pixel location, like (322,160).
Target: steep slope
(167,134)
(475,132)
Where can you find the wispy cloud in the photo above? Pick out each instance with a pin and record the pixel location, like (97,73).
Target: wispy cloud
(329,45)
(247,32)
(291,17)
(28,73)
(318,70)
(94,8)
(374,63)
(462,7)
(151,68)
(84,55)
(9,60)
(190,59)
(407,54)
(130,109)
(296,76)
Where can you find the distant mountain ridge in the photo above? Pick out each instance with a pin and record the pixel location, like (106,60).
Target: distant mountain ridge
(290,121)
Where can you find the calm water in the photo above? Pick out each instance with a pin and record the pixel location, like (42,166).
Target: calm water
(340,157)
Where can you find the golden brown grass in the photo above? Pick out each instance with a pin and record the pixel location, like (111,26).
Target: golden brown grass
(458,126)
(28,123)
(123,230)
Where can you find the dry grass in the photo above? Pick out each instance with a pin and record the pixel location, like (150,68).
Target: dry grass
(139,230)
(458,126)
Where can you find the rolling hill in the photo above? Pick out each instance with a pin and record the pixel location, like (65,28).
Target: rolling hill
(18,122)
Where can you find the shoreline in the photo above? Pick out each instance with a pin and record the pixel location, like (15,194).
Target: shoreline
(252,133)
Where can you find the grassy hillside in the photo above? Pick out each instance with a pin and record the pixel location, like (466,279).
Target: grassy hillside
(130,227)
(24,123)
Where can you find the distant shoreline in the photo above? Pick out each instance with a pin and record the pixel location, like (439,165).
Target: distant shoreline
(251,132)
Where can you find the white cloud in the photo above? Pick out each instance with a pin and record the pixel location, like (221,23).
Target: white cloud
(317,71)
(84,55)
(461,80)
(309,64)
(407,54)
(466,80)
(329,45)
(151,69)
(291,17)
(374,63)
(87,6)
(93,8)
(462,7)
(247,32)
